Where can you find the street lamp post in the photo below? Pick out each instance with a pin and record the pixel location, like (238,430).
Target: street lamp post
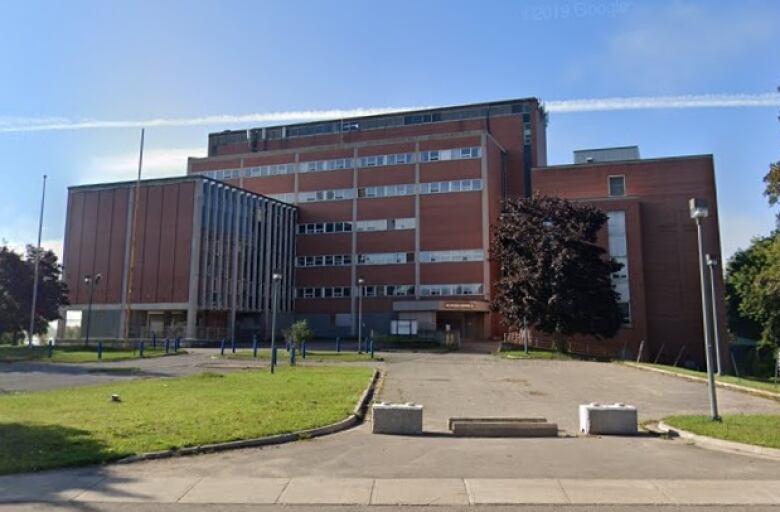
(361,282)
(699,210)
(91,282)
(276,278)
(712,263)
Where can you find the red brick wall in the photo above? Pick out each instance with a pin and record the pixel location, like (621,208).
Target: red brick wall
(665,237)
(96,231)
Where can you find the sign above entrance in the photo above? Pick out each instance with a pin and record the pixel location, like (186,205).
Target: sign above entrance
(460,306)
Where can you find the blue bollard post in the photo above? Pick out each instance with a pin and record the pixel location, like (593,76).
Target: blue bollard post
(371,345)
(51,348)
(141,349)
(303,349)
(338,344)
(100,350)
(222,347)
(167,345)
(292,356)
(154,341)
(178,343)
(233,345)
(254,346)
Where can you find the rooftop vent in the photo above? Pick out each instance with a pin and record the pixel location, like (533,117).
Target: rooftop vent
(589,156)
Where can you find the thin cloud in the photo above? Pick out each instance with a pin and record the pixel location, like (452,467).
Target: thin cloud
(665,102)
(34,125)
(158,163)
(17,125)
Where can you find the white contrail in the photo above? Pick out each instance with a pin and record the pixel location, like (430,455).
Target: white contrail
(46,124)
(771,99)
(16,125)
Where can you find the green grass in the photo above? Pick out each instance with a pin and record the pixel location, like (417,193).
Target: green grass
(14,354)
(534,354)
(77,426)
(312,356)
(761,430)
(748,382)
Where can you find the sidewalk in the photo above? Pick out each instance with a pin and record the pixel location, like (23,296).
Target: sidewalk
(392,491)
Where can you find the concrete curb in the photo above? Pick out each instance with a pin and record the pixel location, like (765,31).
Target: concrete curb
(720,444)
(358,413)
(725,385)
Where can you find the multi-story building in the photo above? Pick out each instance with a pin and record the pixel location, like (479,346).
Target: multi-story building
(198,261)
(651,233)
(387,218)
(402,203)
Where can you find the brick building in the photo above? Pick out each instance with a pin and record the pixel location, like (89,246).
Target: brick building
(404,202)
(203,259)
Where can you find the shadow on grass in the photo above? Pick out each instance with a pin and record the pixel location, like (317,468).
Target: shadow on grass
(34,447)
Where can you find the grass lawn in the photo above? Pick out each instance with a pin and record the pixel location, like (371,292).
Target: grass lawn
(315,356)
(749,382)
(534,354)
(77,426)
(13,354)
(761,430)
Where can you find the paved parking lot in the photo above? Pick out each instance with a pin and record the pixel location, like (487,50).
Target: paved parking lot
(469,384)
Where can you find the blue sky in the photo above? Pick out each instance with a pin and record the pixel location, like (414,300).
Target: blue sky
(66,62)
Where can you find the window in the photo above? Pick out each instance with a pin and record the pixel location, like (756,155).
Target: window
(326,195)
(617,186)
(386,191)
(404,223)
(329,260)
(451,186)
(450,256)
(371,225)
(385,258)
(315,228)
(618,250)
(450,289)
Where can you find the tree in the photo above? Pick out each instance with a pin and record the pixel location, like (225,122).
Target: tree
(772,182)
(754,276)
(16,281)
(298,333)
(554,276)
(741,270)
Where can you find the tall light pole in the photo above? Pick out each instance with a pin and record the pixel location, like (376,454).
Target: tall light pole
(91,282)
(276,279)
(37,264)
(712,263)
(699,210)
(361,282)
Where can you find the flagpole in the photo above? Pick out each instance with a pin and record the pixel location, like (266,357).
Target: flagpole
(136,200)
(37,264)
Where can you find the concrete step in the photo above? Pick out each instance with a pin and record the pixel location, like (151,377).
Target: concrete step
(502,427)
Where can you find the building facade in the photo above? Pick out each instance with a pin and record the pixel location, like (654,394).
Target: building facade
(201,269)
(402,203)
(384,218)
(651,232)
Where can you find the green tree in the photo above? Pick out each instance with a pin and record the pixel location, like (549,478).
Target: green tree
(16,281)
(554,276)
(298,333)
(772,184)
(755,281)
(741,271)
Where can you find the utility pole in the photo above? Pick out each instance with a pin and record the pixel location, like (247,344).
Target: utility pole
(37,264)
(136,200)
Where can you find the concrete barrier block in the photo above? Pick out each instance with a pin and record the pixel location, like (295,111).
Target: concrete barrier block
(502,427)
(392,418)
(616,419)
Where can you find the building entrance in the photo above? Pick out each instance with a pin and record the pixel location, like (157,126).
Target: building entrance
(470,326)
